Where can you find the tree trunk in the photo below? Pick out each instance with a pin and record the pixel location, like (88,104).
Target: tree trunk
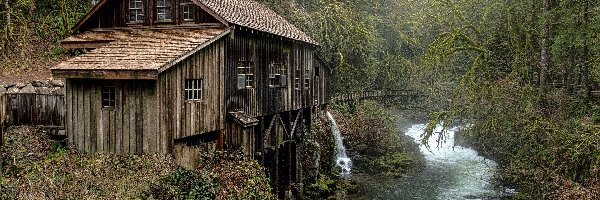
(8,20)
(545,55)
(586,51)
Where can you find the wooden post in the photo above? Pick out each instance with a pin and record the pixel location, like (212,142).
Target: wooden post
(221,140)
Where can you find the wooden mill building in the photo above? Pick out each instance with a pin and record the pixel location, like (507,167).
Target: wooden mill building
(161,73)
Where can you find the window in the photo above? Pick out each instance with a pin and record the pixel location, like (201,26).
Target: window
(187,10)
(297,80)
(306,77)
(277,75)
(136,11)
(245,74)
(108,95)
(193,89)
(163,10)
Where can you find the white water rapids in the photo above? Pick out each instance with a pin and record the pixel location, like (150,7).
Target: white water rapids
(451,172)
(341,158)
(469,174)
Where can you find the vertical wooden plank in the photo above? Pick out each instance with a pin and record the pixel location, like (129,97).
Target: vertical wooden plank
(80,111)
(150,121)
(113,132)
(128,102)
(130,144)
(85,121)
(69,117)
(93,110)
(139,112)
(120,98)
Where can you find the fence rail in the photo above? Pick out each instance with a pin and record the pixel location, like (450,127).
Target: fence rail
(378,94)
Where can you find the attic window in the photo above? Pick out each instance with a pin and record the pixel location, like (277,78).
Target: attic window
(136,11)
(277,75)
(193,89)
(163,10)
(245,71)
(187,10)
(108,95)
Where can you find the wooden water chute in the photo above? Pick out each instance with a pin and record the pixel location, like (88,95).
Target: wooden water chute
(215,73)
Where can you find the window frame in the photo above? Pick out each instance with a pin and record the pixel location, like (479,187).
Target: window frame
(108,95)
(277,71)
(193,90)
(167,10)
(141,13)
(191,11)
(307,74)
(246,69)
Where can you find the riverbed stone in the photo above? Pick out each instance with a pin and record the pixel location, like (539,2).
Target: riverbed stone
(28,89)
(39,83)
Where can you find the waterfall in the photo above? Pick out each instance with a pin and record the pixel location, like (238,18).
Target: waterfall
(341,158)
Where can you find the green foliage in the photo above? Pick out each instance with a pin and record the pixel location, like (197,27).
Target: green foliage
(371,135)
(185,184)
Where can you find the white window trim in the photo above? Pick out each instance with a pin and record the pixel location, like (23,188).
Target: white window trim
(167,10)
(190,15)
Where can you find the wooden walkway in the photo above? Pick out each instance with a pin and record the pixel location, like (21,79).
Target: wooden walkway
(401,95)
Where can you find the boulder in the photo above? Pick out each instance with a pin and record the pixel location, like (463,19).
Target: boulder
(39,83)
(56,83)
(58,91)
(43,90)
(13,90)
(9,85)
(28,89)
(20,85)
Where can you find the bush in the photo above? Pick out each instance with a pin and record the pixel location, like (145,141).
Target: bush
(185,184)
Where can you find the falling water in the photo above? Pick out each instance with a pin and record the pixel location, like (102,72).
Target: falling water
(341,158)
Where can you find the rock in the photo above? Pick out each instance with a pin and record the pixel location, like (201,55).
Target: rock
(28,89)
(9,85)
(43,90)
(58,91)
(13,90)
(20,85)
(56,83)
(38,83)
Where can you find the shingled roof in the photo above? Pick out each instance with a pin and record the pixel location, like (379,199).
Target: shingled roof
(251,14)
(139,49)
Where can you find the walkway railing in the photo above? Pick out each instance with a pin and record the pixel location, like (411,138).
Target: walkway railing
(379,94)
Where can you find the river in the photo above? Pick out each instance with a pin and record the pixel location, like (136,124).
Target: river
(451,172)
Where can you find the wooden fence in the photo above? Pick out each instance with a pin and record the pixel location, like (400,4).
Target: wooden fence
(40,110)
(378,94)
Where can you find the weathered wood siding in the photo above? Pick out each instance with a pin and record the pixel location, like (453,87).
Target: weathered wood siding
(33,109)
(180,118)
(130,127)
(2,118)
(114,15)
(262,99)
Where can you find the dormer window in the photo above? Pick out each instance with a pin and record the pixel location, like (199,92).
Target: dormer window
(136,11)
(163,10)
(187,10)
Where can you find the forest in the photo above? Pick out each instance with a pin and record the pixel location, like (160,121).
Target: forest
(524,74)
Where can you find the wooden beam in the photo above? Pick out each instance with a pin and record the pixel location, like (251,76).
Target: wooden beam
(84,45)
(106,74)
